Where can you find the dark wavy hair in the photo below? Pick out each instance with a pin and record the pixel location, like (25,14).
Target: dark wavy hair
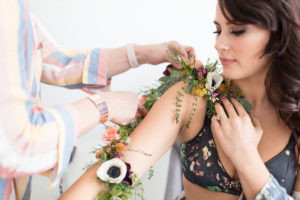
(282,18)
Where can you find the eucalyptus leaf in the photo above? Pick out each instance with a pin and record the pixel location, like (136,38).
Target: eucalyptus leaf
(245,103)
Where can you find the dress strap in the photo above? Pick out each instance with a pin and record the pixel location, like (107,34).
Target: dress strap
(292,141)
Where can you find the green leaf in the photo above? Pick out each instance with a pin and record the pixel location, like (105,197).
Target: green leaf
(245,103)
(164,79)
(190,88)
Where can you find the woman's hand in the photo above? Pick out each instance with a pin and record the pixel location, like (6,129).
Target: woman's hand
(122,106)
(237,132)
(158,53)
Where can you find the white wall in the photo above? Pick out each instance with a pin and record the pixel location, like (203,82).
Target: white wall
(114,23)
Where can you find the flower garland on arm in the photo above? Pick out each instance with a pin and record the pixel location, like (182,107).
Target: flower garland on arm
(201,81)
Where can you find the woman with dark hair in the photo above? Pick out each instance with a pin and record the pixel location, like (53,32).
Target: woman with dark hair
(233,155)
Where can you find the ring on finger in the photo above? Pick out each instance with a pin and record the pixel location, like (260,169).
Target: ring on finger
(219,117)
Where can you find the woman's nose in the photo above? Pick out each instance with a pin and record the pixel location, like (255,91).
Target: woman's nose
(221,43)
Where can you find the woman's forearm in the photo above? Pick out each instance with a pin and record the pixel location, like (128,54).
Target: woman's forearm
(273,191)
(118,61)
(253,174)
(86,187)
(89,115)
(154,54)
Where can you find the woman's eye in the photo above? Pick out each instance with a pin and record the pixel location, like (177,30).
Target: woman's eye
(217,32)
(239,32)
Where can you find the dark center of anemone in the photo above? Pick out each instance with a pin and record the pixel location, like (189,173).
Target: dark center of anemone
(213,83)
(114,172)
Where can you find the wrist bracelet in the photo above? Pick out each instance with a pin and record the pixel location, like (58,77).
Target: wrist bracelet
(131,56)
(101,106)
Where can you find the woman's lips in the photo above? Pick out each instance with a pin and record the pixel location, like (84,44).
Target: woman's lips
(226,61)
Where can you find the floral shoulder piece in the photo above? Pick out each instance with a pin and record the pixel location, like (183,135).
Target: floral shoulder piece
(201,81)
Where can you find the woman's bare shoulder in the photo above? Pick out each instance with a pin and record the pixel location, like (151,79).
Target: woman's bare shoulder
(188,104)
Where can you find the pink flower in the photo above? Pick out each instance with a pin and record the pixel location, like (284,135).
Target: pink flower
(120,155)
(215,94)
(223,96)
(111,134)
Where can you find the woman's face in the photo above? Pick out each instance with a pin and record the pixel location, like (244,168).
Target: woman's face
(240,48)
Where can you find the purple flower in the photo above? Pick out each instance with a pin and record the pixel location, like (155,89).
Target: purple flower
(127,180)
(223,96)
(167,72)
(215,94)
(120,155)
(202,72)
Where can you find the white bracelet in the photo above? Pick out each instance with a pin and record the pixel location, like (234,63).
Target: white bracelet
(131,56)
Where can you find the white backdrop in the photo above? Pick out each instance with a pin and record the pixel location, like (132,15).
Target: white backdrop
(114,23)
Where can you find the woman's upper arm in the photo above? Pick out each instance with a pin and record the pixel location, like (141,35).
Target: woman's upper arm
(159,130)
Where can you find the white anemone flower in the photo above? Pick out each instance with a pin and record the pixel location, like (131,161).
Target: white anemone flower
(113,171)
(214,80)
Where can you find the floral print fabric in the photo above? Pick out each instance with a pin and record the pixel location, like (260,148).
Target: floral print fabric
(202,166)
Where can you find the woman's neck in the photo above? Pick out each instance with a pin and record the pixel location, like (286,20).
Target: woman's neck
(254,91)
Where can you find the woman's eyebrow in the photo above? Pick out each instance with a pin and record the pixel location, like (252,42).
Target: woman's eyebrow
(216,23)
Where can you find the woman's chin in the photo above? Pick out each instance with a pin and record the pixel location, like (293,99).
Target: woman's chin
(229,74)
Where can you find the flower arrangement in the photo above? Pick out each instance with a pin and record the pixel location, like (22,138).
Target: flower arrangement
(201,81)
(120,181)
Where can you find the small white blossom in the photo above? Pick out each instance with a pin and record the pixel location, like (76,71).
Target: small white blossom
(113,171)
(214,80)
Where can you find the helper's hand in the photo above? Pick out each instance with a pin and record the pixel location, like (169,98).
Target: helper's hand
(158,53)
(122,106)
(142,111)
(237,133)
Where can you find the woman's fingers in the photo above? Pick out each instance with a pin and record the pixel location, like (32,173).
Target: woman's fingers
(190,51)
(198,64)
(229,108)
(221,114)
(239,107)
(142,110)
(256,123)
(215,125)
(185,52)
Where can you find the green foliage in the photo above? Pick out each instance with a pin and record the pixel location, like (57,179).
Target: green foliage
(121,191)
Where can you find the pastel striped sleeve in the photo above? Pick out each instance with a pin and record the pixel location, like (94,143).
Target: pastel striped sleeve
(272,190)
(32,139)
(69,67)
